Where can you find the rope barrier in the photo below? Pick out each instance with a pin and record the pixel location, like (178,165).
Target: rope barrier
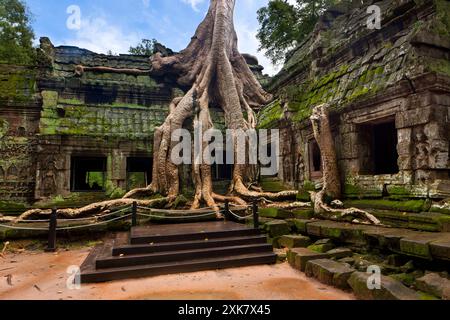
(22,228)
(96,217)
(177,217)
(240,217)
(94,224)
(175,211)
(35,221)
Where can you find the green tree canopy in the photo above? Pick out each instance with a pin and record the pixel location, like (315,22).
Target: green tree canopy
(283,25)
(145,47)
(16,34)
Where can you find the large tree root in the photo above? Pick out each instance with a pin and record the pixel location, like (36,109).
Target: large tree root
(92,209)
(331,181)
(217,75)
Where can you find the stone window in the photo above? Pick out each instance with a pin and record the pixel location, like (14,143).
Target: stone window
(88,174)
(139,172)
(315,160)
(378,143)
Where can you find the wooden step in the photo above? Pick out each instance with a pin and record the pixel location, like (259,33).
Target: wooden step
(186,245)
(153,258)
(142,238)
(89,274)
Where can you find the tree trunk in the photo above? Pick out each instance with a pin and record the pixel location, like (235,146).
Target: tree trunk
(331,190)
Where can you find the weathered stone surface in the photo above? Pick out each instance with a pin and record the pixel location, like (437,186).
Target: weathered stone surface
(340,253)
(300,225)
(434,284)
(440,249)
(294,241)
(322,246)
(277,228)
(418,245)
(329,272)
(391,289)
(298,257)
(275,213)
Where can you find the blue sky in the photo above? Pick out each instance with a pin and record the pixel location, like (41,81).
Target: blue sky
(117,24)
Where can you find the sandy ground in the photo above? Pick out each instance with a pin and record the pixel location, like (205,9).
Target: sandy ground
(37,275)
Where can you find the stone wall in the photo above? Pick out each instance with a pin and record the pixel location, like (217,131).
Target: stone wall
(399,74)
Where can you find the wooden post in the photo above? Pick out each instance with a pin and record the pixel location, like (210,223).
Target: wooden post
(134,214)
(255,215)
(51,246)
(227,210)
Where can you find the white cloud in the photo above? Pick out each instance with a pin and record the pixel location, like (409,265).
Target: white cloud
(146,3)
(194,3)
(98,35)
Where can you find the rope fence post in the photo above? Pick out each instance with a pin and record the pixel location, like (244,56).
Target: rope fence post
(255,215)
(51,246)
(227,210)
(134,214)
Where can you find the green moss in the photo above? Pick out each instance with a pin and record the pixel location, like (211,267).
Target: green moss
(309,186)
(270,115)
(303,213)
(426,296)
(73,101)
(303,196)
(440,66)
(17,85)
(408,206)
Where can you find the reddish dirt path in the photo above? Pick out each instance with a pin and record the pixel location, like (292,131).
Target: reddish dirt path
(42,276)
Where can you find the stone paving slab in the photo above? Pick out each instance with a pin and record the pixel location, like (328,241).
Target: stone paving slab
(329,272)
(418,245)
(428,245)
(434,284)
(391,289)
(294,241)
(298,257)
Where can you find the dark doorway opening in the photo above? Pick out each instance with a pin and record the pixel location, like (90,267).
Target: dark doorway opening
(315,160)
(385,154)
(139,172)
(221,171)
(88,174)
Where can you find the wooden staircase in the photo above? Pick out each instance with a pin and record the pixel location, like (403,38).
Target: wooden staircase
(176,248)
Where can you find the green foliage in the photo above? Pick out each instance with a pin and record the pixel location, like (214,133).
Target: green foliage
(283,25)
(145,47)
(16,35)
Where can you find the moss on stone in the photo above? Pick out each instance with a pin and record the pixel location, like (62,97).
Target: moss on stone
(270,115)
(382,204)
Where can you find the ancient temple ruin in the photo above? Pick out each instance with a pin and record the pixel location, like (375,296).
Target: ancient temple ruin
(71,139)
(389,91)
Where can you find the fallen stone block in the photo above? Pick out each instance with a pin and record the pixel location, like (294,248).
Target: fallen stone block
(300,225)
(440,249)
(322,246)
(277,228)
(298,257)
(305,214)
(329,272)
(340,253)
(390,289)
(418,245)
(434,284)
(294,241)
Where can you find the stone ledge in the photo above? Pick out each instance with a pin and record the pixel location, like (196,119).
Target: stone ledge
(329,272)
(390,289)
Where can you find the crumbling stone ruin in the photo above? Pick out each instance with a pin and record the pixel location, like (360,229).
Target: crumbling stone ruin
(389,92)
(69,138)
